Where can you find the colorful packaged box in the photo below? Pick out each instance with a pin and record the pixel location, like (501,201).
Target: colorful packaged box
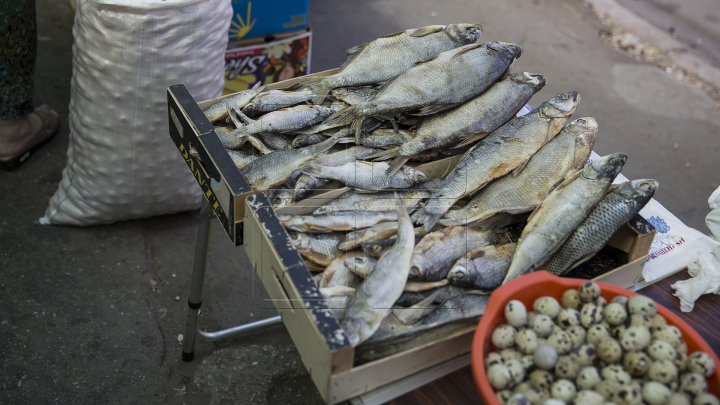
(266,17)
(253,60)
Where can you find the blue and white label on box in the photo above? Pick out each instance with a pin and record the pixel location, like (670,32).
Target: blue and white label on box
(253,18)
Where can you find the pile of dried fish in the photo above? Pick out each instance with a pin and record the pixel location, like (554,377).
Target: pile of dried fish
(464,167)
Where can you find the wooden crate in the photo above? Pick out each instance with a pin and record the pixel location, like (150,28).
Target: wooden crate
(249,219)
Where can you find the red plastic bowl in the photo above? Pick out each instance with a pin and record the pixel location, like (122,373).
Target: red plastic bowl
(527,289)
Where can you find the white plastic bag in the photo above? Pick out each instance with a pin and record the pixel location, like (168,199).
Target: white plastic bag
(122,163)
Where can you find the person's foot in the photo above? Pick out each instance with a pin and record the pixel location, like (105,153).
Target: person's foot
(21,137)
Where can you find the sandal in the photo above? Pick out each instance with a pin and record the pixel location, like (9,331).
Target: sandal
(33,142)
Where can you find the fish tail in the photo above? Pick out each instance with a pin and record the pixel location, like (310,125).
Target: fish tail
(317,87)
(313,169)
(396,165)
(383,155)
(426,218)
(357,127)
(342,117)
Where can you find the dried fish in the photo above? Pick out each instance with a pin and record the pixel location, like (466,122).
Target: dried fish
(275,100)
(336,221)
(373,234)
(361,265)
(241,158)
(319,248)
(484,267)
(337,274)
(219,110)
(284,120)
(382,201)
(367,175)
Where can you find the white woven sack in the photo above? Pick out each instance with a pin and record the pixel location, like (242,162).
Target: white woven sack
(122,163)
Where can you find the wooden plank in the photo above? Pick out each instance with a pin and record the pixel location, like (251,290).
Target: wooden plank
(370,376)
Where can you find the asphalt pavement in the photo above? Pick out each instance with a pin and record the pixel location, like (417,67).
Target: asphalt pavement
(92,315)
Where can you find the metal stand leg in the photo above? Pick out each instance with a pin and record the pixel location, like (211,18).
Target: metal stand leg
(192,329)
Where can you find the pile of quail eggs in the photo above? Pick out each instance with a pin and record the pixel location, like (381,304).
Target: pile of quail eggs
(591,352)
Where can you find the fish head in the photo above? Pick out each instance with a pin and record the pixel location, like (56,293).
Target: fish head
(505,50)
(640,190)
(535,81)
(464,33)
(299,240)
(361,264)
(582,125)
(606,167)
(419,266)
(460,273)
(560,106)
(413,176)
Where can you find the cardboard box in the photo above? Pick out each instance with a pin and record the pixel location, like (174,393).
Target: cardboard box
(251,61)
(265,17)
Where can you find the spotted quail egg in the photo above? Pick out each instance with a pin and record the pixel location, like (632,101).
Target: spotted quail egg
(518,399)
(655,393)
(588,378)
(693,384)
(682,347)
(567,367)
(663,371)
(701,363)
(589,291)
(553,401)
(541,378)
(595,333)
(537,396)
(560,341)
(616,373)
(522,387)
(640,320)
(590,315)
(510,354)
(680,362)
(617,330)
(620,299)
(668,333)
(658,320)
(577,334)
(571,299)
(526,341)
(567,318)
(615,313)
(545,357)
(638,384)
(591,397)
(661,350)
(499,377)
(585,354)
(640,304)
(503,395)
(635,338)
(601,303)
(679,398)
(493,358)
(627,395)
(563,389)
(547,306)
(517,371)
(607,388)
(527,361)
(609,350)
(706,399)
(636,363)
(503,337)
(516,313)
(542,325)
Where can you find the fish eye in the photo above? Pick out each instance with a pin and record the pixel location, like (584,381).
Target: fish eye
(564,96)
(582,121)
(359,259)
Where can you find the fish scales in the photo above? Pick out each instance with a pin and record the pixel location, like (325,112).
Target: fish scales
(567,152)
(498,154)
(241,158)
(336,221)
(275,100)
(622,203)
(367,175)
(437,251)
(391,55)
(320,248)
(561,213)
(382,201)
(285,120)
(484,267)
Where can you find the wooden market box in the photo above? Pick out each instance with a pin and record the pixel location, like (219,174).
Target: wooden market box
(249,219)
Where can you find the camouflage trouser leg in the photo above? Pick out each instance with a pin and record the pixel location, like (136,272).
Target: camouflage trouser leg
(18,44)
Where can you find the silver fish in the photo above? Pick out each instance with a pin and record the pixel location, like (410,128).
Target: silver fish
(283,198)
(411,298)
(463,306)
(336,221)
(270,170)
(561,213)
(318,248)
(337,274)
(450,79)
(379,247)
(437,251)
(284,120)
(565,154)
(229,137)
(367,175)
(501,152)
(219,110)
(275,141)
(375,233)
(382,201)
(375,296)
(301,141)
(241,158)
(472,120)
(275,100)
(391,55)
(385,138)
(361,265)
(622,202)
(484,267)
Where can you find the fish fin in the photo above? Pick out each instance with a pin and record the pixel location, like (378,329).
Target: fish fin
(467,49)
(319,90)
(567,180)
(396,165)
(342,117)
(313,169)
(394,123)
(519,169)
(423,217)
(257,88)
(383,155)
(432,109)
(242,115)
(357,127)
(467,153)
(356,49)
(346,140)
(468,139)
(508,71)
(421,32)
(393,35)
(532,214)
(290,183)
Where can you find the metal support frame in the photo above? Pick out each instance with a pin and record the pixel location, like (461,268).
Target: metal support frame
(192,327)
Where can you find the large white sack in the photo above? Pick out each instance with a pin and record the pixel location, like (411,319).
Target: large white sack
(122,163)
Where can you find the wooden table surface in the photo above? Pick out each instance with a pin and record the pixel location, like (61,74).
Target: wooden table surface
(459,387)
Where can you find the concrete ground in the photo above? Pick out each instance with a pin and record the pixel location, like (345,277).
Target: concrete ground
(92,315)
